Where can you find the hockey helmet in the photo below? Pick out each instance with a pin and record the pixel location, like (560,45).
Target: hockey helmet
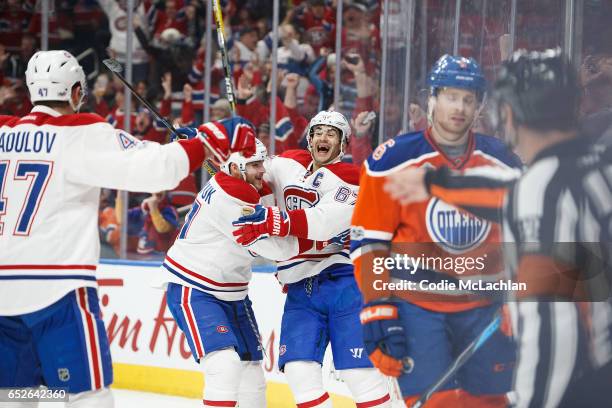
(50,76)
(335,120)
(456,72)
(261,153)
(540,87)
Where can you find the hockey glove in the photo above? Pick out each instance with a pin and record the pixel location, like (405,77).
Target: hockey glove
(263,223)
(228,136)
(186,132)
(384,336)
(341,240)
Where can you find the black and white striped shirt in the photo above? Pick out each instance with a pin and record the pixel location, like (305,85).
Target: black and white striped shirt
(558,216)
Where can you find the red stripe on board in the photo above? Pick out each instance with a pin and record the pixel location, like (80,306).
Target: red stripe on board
(373,403)
(219,403)
(314,402)
(110,282)
(205,279)
(92,338)
(89,267)
(191,321)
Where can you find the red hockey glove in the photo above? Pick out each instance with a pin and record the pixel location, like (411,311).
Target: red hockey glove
(228,136)
(263,223)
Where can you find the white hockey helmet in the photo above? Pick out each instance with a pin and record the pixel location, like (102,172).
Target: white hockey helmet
(333,119)
(261,153)
(50,76)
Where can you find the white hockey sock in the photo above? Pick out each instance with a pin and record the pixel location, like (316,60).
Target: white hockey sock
(368,387)
(252,392)
(306,381)
(222,371)
(102,398)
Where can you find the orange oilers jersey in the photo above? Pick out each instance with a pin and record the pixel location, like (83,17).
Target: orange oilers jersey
(430,242)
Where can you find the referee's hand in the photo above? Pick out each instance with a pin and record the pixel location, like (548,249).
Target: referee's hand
(407,186)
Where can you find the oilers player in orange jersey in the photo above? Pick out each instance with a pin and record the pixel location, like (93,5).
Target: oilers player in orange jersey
(415,333)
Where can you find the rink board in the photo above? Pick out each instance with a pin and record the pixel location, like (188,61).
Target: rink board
(150,352)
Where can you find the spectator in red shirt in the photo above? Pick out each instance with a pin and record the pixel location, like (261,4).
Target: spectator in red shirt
(100,101)
(171,16)
(250,105)
(317,22)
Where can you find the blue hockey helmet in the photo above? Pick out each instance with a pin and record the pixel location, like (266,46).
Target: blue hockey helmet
(456,72)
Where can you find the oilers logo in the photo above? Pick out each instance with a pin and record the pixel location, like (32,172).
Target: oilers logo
(297,197)
(453,230)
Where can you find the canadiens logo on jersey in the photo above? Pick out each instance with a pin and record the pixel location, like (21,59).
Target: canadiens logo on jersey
(453,230)
(297,197)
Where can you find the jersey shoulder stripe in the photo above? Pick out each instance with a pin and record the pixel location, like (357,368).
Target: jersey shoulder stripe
(496,148)
(347,172)
(399,152)
(76,119)
(266,190)
(301,156)
(237,188)
(7,120)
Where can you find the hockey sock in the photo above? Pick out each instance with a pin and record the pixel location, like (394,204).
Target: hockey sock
(252,392)
(306,381)
(368,387)
(222,371)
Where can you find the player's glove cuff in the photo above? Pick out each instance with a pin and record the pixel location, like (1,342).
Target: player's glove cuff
(184,133)
(384,336)
(264,222)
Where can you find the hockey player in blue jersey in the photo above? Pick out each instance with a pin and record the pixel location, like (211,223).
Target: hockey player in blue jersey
(315,193)
(416,334)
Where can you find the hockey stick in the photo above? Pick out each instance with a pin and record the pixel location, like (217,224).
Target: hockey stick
(461,359)
(115,67)
(229,88)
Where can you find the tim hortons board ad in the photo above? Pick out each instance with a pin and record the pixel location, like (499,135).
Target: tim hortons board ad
(146,341)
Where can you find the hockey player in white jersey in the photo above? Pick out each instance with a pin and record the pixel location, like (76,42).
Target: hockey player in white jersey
(316,192)
(53,163)
(207,275)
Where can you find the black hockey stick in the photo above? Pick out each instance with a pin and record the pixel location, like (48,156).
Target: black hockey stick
(115,67)
(461,359)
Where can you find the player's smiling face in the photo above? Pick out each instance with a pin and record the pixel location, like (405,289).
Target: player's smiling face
(325,144)
(454,112)
(254,174)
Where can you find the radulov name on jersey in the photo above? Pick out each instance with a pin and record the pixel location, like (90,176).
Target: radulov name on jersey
(455,231)
(26,142)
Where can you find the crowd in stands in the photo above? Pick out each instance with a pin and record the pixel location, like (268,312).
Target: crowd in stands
(168,48)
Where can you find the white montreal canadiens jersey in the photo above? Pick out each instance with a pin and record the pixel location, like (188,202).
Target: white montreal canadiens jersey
(51,169)
(205,255)
(325,198)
